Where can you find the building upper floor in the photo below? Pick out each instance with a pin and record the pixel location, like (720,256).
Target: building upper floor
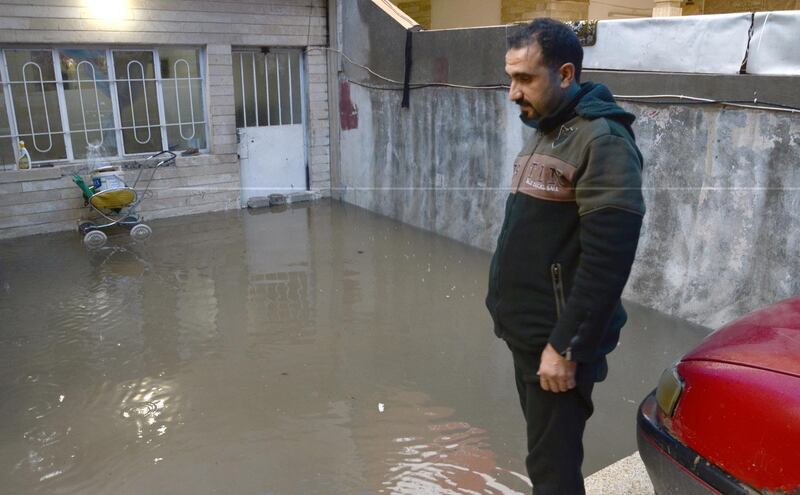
(445,14)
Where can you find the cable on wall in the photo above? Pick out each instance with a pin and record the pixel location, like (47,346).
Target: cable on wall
(665,99)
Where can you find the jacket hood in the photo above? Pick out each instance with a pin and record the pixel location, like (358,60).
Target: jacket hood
(593,101)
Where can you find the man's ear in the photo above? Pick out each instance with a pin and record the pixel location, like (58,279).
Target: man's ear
(567,74)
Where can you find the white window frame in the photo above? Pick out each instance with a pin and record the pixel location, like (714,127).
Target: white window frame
(66,131)
(10,111)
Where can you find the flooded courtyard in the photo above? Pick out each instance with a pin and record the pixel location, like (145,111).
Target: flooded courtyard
(318,349)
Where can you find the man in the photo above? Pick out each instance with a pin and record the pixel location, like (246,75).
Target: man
(565,250)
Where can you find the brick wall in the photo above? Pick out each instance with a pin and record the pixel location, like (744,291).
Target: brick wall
(45,200)
(419,10)
(729,6)
(525,10)
(318,125)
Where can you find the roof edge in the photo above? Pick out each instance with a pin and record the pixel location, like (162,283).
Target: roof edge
(398,15)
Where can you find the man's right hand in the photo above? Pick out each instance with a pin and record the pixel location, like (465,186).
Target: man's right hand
(556,373)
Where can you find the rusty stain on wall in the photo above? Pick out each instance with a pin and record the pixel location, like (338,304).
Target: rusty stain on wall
(441,70)
(348,112)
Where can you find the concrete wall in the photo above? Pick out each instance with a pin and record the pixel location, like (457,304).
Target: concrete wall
(721,236)
(217,26)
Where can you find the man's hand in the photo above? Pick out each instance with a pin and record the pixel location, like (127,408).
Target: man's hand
(556,373)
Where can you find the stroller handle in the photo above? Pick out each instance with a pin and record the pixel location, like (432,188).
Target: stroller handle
(170,157)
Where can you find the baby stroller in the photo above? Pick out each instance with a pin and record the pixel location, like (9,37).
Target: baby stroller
(112,203)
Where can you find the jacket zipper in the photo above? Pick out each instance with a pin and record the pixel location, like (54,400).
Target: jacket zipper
(558,288)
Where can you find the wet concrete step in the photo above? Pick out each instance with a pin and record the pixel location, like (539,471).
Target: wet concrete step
(627,476)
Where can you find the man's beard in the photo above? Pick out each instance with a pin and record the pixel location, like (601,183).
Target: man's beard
(523,106)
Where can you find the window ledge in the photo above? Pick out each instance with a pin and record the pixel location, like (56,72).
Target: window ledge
(82,167)
(46,173)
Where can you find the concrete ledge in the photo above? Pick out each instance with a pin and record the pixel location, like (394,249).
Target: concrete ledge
(69,168)
(28,175)
(625,477)
(296,197)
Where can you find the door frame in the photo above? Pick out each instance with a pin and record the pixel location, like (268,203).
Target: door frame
(303,85)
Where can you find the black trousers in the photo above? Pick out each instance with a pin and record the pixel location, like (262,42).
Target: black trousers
(555,424)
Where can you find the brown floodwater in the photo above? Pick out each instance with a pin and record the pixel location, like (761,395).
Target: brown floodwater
(320,349)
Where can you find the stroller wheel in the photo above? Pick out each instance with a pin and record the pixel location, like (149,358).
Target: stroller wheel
(94,239)
(141,232)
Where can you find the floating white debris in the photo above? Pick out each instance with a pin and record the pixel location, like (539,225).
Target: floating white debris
(60,398)
(157,460)
(50,475)
(380,407)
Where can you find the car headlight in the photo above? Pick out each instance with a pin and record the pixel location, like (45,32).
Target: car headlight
(669,390)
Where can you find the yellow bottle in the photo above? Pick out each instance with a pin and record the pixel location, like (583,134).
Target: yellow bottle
(24,162)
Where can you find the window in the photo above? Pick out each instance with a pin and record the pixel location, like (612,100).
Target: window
(66,101)
(266,87)
(88,101)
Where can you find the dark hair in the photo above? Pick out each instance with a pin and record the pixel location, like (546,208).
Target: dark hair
(558,42)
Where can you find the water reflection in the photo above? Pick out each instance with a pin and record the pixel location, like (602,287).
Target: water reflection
(238,353)
(44,437)
(152,406)
(428,450)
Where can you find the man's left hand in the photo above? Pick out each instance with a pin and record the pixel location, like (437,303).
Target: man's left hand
(556,373)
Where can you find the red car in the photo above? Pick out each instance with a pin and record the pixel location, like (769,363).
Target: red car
(726,418)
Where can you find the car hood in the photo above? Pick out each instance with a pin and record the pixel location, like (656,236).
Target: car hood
(768,339)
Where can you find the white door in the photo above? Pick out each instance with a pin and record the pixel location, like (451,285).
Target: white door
(268,90)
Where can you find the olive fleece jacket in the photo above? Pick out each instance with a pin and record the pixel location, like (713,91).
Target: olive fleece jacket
(571,227)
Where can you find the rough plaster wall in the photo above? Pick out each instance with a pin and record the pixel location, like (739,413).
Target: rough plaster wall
(722,233)
(437,165)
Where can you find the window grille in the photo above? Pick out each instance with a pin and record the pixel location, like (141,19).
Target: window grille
(88,99)
(64,101)
(33,104)
(267,88)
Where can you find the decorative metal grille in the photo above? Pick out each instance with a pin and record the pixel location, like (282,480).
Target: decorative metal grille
(38,102)
(267,88)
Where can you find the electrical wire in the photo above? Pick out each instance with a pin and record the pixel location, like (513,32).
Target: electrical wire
(394,81)
(683,98)
(694,99)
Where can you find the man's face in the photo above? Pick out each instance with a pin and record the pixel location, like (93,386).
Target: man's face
(535,87)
